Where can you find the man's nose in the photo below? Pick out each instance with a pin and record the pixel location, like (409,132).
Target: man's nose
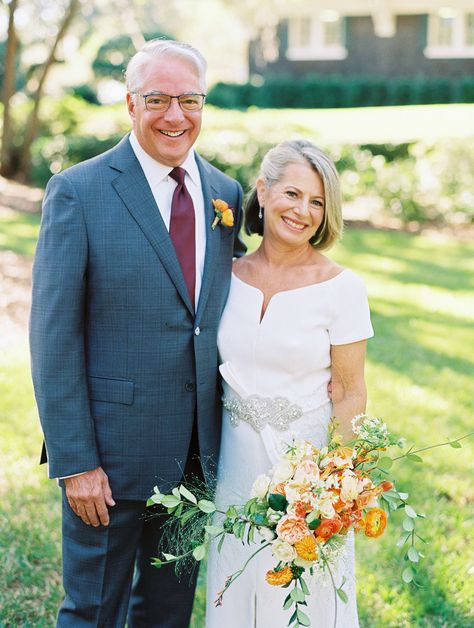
(174,112)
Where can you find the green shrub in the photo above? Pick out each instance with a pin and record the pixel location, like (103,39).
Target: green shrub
(330,91)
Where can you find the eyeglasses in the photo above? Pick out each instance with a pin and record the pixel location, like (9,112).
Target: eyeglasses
(155,101)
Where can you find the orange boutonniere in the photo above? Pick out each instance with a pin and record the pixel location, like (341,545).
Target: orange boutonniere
(224,214)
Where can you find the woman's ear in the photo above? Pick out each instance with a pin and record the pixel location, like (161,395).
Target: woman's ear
(261,190)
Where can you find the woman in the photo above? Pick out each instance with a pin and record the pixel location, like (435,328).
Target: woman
(294,320)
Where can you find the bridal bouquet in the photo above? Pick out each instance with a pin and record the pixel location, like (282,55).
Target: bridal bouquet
(303,510)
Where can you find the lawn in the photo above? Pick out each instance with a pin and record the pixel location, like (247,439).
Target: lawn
(419,375)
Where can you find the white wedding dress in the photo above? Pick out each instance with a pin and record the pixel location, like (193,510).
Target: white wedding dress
(275,374)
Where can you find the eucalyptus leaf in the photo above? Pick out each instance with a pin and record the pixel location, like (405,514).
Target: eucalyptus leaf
(188,515)
(156,562)
(221,543)
(413,554)
(169,556)
(403,539)
(170,501)
(231,512)
(199,552)
(206,506)
(297,595)
(213,530)
(410,512)
(385,463)
(456,445)
(408,524)
(403,496)
(414,458)
(176,493)
(288,603)
(407,575)
(187,494)
(312,516)
(303,619)
(342,595)
(304,586)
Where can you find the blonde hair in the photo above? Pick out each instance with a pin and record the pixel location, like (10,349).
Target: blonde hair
(271,171)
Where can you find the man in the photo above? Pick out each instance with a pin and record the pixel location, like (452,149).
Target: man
(128,286)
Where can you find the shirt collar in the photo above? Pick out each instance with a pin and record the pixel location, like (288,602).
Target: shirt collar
(156,171)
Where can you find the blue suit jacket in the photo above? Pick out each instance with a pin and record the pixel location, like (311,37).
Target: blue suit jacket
(121,363)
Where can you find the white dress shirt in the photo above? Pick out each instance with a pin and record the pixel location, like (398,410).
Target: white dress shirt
(162,187)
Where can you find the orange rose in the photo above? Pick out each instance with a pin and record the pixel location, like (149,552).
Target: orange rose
(279,578)
(327,528)
(220,205)
(301,509)
(375,522)
(306,548)
(292,529)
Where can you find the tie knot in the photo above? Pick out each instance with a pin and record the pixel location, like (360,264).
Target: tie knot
(178,175)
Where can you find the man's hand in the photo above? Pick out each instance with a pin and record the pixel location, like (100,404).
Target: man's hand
(89,494)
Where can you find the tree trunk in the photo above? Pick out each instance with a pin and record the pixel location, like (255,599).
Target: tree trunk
(33,119)
(6,158)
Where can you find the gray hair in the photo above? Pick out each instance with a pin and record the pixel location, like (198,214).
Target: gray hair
(163,48)
(271,171)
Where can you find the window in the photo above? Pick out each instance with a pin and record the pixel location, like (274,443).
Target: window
(450,35)
(316,38)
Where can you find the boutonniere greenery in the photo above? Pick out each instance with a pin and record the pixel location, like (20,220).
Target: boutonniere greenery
(224,214)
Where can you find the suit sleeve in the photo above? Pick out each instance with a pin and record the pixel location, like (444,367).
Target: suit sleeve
(57,333)
(240,248)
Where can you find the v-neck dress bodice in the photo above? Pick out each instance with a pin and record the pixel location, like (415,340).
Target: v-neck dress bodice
(281,362)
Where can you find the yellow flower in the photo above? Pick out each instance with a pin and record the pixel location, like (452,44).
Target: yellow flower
(224,213)
(306,548)
(279,578)
(375,522)
(227,218)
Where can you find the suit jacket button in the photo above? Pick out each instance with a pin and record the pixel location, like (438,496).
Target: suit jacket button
(189,386)
(197,331)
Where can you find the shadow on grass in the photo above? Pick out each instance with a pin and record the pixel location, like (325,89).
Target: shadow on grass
(401,351)
(423,262)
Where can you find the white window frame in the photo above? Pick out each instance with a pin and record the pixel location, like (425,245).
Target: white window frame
(316,50)
(458,49)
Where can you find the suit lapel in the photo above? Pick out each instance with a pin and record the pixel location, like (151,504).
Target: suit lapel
(132,187)
(213,236)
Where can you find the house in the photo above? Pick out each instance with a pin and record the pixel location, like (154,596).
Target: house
(404,38)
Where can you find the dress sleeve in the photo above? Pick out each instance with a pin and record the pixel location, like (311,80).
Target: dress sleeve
(351,315)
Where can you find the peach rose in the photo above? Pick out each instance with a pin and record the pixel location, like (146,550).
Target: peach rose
(292,529)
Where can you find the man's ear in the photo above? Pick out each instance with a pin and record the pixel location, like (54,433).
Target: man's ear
(131,105)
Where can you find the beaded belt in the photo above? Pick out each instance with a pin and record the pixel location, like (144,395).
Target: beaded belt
(278,412)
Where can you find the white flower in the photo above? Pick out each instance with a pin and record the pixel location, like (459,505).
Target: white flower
(274,516)
(349,488)
(307,471)
(283,551)
(260,486)
(282,471)
(326,508)
(266,533)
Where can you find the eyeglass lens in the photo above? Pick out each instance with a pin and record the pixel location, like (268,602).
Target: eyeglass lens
(161,102)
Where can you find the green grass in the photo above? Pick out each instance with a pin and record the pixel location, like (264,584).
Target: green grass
(419,375)
(19,231)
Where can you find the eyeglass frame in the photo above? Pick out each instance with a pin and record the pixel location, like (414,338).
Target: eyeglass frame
(145,96)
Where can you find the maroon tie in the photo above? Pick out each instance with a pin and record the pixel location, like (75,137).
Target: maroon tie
(182,230)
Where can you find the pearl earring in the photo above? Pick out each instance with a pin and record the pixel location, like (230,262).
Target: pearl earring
(260,212)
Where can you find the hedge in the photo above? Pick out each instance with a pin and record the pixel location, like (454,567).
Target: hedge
(333,91)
